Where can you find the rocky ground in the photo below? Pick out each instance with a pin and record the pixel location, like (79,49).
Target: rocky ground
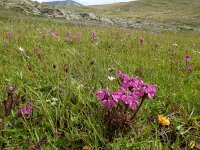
(87,18)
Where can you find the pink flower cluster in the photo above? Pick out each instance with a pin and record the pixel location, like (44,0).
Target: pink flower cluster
(141,40)
(53,33)
(130,90)
(27,110)
(187,58)
(9,34)
(70,36)
(94,36)
(78,36)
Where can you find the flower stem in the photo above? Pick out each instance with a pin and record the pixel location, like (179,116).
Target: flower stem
(133,116)
(109,117)
(125,118)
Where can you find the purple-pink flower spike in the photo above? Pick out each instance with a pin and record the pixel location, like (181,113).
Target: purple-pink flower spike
(9,34)
(27,110)
(129,98)
(94,36)
(78,36)
(107,97)
(187,58)
(69,34)
(150,90)
(130,90)
(190,68)
(142,40)
(53,33)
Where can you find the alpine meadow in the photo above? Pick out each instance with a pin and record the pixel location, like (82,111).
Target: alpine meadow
(122,76)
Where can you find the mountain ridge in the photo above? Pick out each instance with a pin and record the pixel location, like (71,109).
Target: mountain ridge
(63,3)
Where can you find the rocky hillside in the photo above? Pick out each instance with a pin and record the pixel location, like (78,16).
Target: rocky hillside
(41,9)
(63,3)
(91,18)
(154,9)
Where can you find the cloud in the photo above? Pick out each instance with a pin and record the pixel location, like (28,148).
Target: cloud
(91,2)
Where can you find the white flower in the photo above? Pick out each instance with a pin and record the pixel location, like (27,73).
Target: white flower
(21,49)
(195,51)
(54,99)
(175,44)
(111,78)
(80,86)
(23,52)
(48,101)
(53,103)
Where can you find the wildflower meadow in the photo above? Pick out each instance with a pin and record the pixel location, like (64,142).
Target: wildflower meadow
(66,86)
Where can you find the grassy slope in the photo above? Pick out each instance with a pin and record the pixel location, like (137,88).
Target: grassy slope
(75,121)
(178,11)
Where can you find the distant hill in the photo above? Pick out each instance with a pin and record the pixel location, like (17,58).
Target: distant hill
(63,3)
(156,9)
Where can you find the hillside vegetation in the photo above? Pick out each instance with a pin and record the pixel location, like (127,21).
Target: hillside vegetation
(54,80)
(159,9)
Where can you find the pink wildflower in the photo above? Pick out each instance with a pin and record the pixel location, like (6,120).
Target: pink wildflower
(27,110)
(150,90)
(130,82)
(108,97)
(53,33)
(187,58)
(9,34)
(142,40)
(78,36)
(136,85)
(94,36)
(190,68)
(131,89)
(69,34)
(123,77)
(129,98)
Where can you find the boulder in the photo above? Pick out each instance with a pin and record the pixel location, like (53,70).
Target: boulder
(186,28)
(106,21)
(89,16)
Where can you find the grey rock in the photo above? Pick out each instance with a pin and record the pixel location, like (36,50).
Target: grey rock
(106,21)
(186,28)
(89,16)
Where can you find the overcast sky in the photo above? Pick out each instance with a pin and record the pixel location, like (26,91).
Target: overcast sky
(90,2)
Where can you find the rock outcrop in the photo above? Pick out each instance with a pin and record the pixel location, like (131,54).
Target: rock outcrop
(89,18)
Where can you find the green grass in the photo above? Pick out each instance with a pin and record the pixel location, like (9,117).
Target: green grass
(160,10)
(76,119)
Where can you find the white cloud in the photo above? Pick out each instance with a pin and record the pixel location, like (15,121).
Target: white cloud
(91,2)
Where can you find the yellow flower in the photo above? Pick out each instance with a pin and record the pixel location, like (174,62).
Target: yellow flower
(192,144)
(87,148)
(163,120)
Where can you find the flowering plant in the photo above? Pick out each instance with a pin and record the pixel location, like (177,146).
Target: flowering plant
(188,59)
(121,104)
(94,36)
